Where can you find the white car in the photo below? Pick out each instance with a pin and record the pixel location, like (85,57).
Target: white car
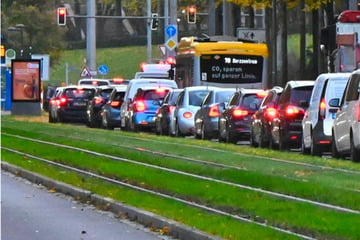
(187,104)
(346,126)
(318,120)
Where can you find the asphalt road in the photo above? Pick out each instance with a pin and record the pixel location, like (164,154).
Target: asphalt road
(29,211)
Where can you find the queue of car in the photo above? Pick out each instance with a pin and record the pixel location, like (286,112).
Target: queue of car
(313,116)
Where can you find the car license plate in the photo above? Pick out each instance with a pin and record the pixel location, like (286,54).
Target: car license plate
(333,115)
(79,104)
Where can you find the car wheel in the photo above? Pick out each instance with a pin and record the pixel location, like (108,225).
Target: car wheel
(315,149)
(177,130)
(304,149)
(51,120)
(204,135)
(272,144)
(220,134)
(283,144)
(334,152)
(263,143)
(354,152)
(230,138)
(253,143)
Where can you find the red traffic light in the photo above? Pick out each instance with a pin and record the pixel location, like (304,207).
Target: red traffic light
(192,9)
(191,14)
(61,16)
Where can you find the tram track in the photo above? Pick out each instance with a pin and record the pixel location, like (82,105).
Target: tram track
(261,222)
(196,176)
(162,159)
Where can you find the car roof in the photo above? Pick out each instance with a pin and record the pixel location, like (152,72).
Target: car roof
(120,87)
(193,88)
(300,83)
(333,75)
(80,86)
(250,90)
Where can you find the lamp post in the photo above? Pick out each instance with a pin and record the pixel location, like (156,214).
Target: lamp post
(19,28)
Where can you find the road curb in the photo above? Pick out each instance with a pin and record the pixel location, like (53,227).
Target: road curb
(145,218)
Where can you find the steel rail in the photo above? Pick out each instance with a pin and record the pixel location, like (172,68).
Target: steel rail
(193,204)
(271,193)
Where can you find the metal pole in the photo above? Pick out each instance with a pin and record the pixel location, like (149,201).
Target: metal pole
(166,20)
(211,18)
(173,21)
(91,36)
(66,74)
(148,23)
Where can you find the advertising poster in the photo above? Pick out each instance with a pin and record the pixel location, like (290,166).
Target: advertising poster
(26,80)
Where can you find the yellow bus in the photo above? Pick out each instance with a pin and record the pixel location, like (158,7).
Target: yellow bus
(221,63)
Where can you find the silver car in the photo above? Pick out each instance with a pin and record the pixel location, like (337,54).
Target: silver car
(187,104)
(207,117)
(346,126)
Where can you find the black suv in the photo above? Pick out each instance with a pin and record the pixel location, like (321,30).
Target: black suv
(101,96)
(70,103)
(235,120)
(293,102)
(260,129)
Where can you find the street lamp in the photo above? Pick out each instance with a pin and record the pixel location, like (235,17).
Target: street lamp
(19,28)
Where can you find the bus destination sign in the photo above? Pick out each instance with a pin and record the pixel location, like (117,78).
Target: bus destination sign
(231,68)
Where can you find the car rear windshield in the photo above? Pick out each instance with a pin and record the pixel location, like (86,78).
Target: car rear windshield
(79,93)
(251,102)
(157,94)
(196,97)
(221,97)
(300,95)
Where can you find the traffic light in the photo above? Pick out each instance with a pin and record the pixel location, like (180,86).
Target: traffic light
(191,14)
(61,16)
(2,53)
(154,21)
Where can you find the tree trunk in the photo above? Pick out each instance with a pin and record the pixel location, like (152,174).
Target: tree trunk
(316,44)
(268,34)
(283,43)
(302,40)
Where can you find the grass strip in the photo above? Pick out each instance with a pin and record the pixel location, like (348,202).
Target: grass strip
(341,185)
(279,212)
(224,227)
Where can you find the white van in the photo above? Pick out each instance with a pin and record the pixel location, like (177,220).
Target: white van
(318,119)
(131,89)
(346,126)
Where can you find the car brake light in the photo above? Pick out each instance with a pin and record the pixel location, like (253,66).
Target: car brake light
(98,100)
(261,94)
(115,103)
(139,106)
(293,110)
(94,82)
(160,90)
(322,108)
(63,101)
(187,115)
(240,112)
(270,113)
(358,112)
(170,109)
(214,111)
(118,80)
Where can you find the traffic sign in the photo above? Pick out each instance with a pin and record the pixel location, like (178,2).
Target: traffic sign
(103,69)
(170,44)
(10,54)
(170,30)
(85,72)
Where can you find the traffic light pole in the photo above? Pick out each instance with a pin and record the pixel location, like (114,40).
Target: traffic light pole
(91,36)
(149,42)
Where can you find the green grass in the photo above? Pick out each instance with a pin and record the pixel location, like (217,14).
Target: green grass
(309,182)
(122,62)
